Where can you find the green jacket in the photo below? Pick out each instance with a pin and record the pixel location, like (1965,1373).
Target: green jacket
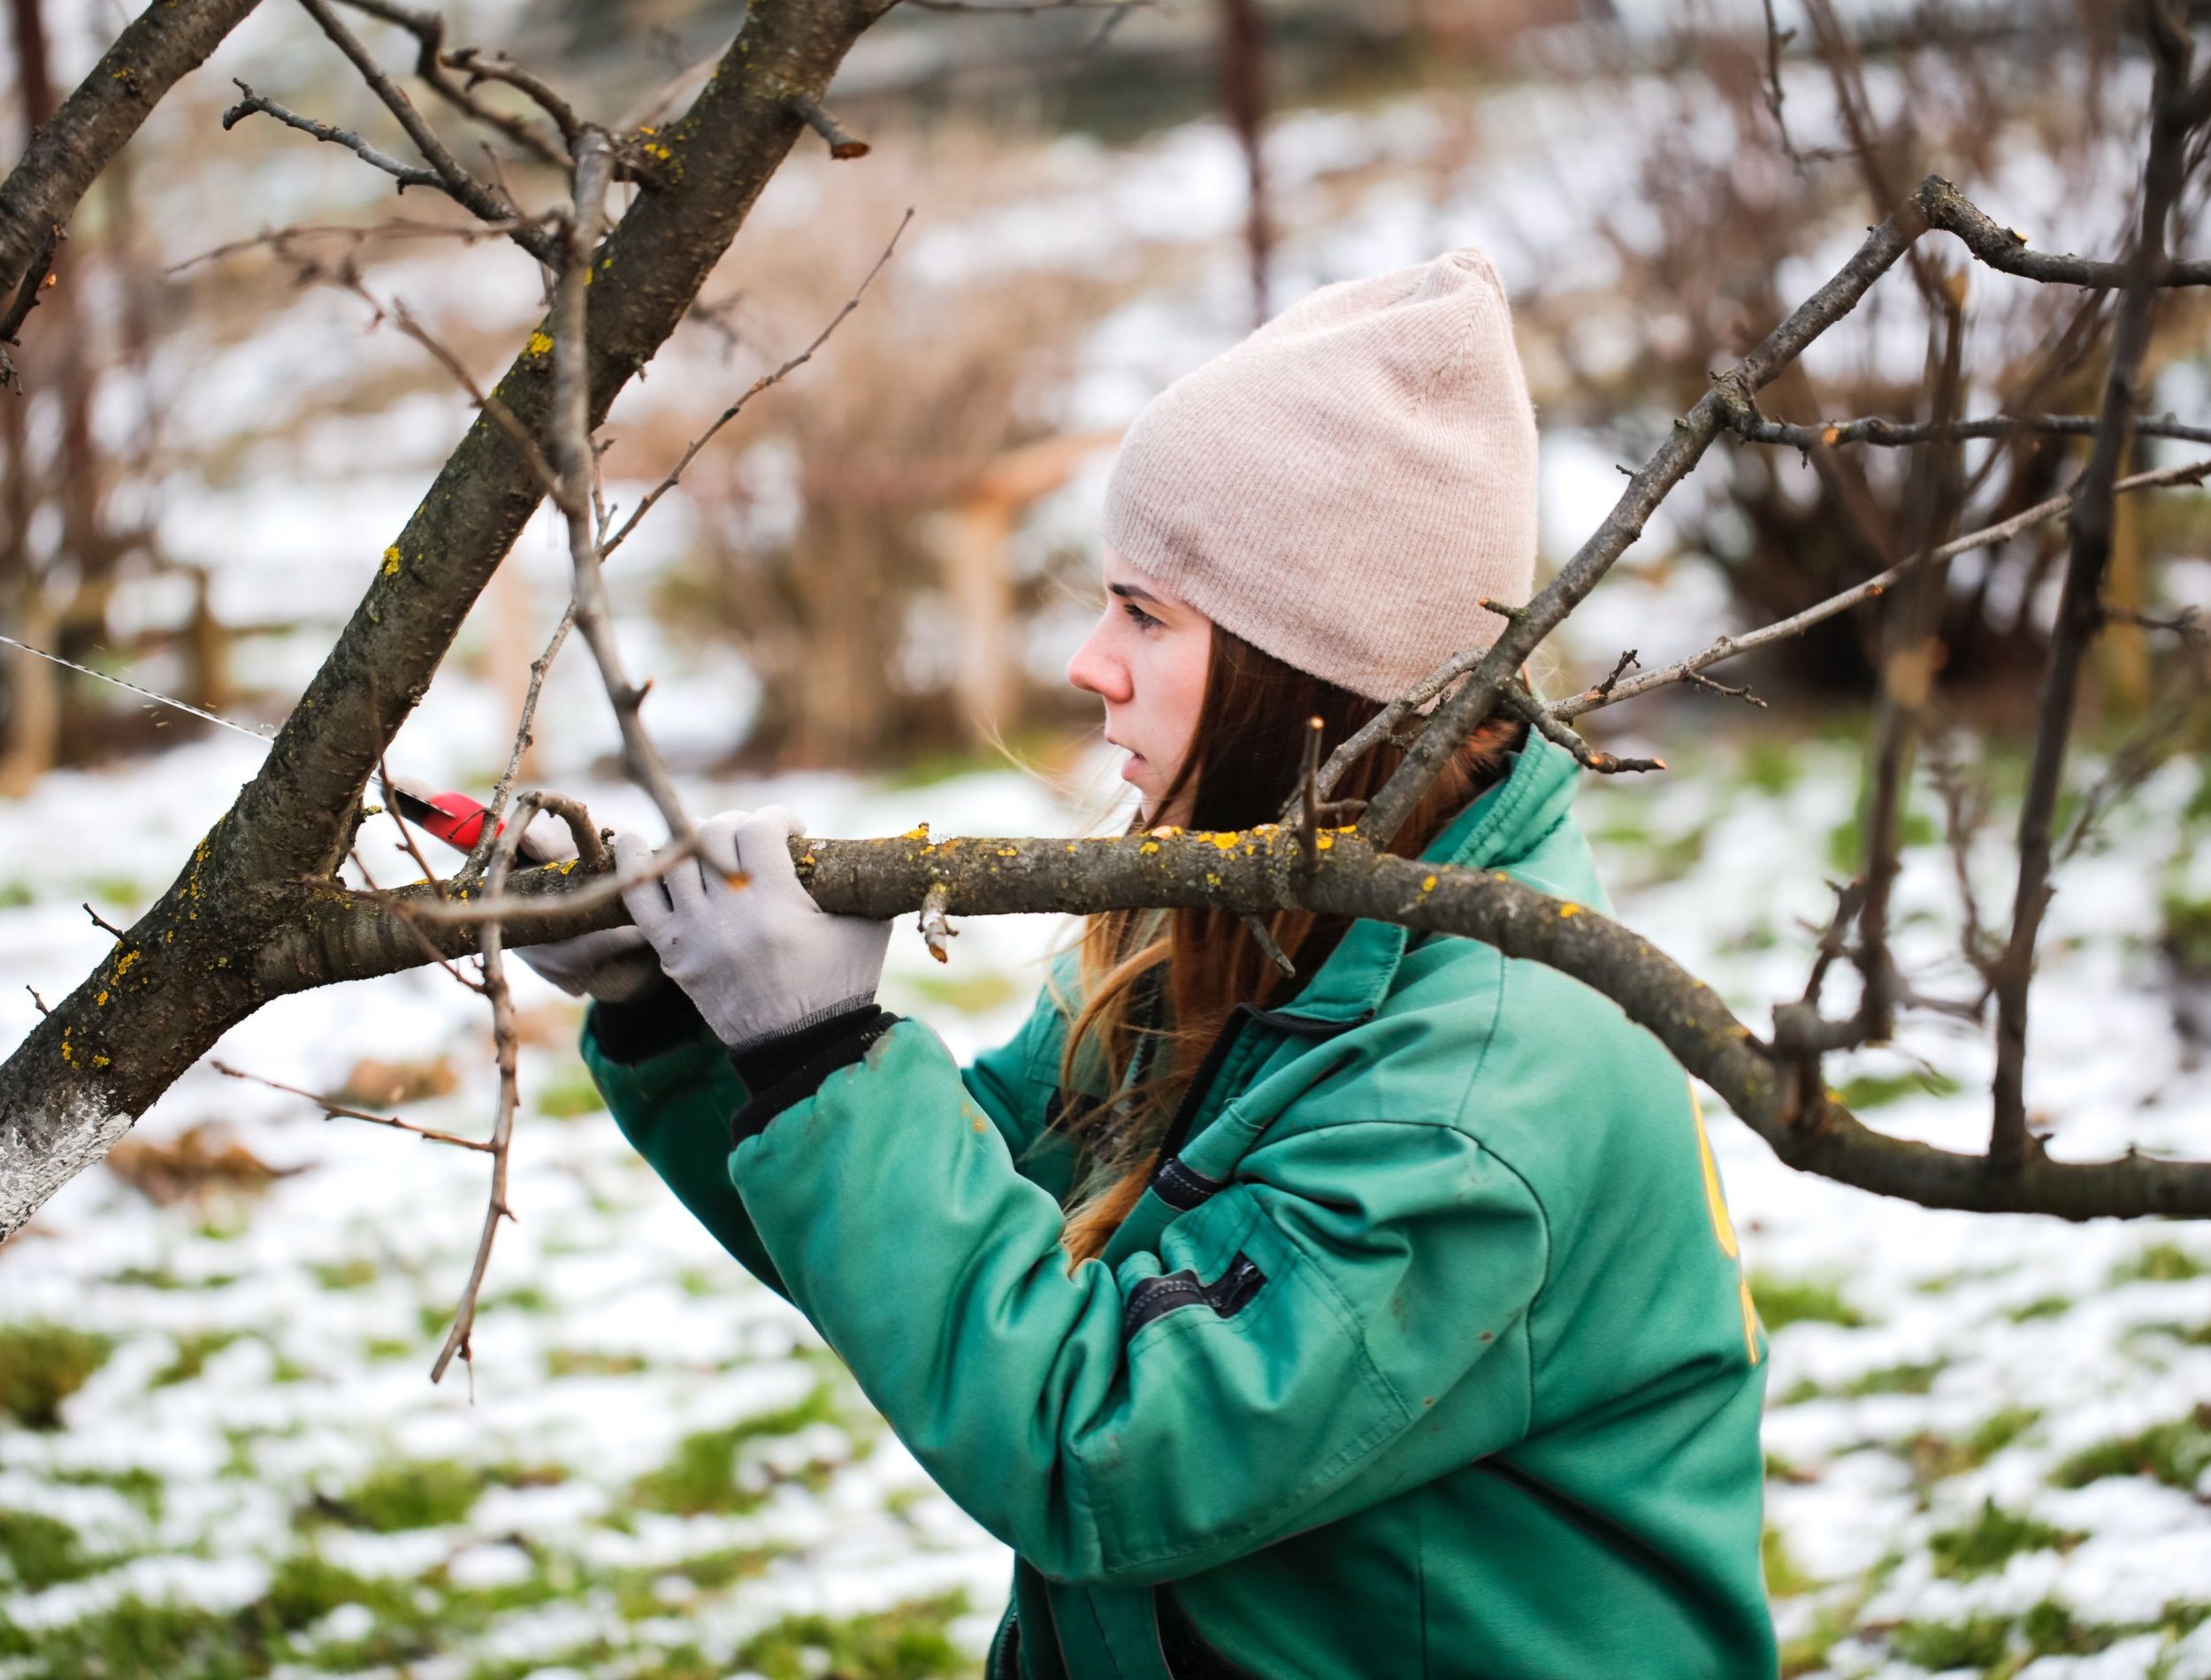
(1425,1353)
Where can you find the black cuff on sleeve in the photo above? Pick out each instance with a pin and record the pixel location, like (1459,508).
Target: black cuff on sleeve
(790,1069)
(643,1027)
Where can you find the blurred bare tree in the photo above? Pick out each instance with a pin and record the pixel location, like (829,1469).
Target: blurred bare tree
(863,560)
(1762,147)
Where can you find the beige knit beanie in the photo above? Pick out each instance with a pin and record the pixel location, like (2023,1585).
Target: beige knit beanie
(1345,486)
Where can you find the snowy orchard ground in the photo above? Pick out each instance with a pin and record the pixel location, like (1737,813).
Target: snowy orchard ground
(220,1454)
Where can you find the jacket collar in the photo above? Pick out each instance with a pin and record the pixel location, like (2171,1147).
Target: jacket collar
(1499,830)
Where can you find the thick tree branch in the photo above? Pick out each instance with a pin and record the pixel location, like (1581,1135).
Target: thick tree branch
(1264,870)
(161,45)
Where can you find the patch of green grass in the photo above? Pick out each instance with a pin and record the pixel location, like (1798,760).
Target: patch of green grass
(1784,1579)
(1894,1380)
(40,1550)
(571,1094)
(126,890)
(1934,1457)
(1977,1642)
(194,1350)
(522,1298)
(1770,766)
(1846,845)
(15,896)
(971,994)
(2188,927)
(588,1361)
(2045,1307)
(1991,1539)
(2176,1453)
(142,1487)
(163,1278)
(355,1272)
(1782,1301)
(1874,1091)
(2159,1262)
(1999,1430)
(909,1643)
(41,1366)
(418,1493)
(701,1476)
(136,1640)
(1653,860)
(387,1347)
(2051,1630)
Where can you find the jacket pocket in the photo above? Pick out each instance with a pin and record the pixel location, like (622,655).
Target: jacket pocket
(1188,1654)
(1227,1295)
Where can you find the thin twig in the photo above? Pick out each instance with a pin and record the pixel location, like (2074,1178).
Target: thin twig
(102,921)
(1454,721)
(333,1110)
(505,1041)
(480,857)
(404,318)
(1309,792)
(37,280)
(35,998)
(690,452)
(358,234)
(1831,434)
(486,202)
(1531,710)
(497,66)
(2080,605)
(1729,647)
(406,174)
(1263,936)
(431,61)
(546,906)
(575,461)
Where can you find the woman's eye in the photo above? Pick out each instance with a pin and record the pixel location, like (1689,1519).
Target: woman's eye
(1137,616)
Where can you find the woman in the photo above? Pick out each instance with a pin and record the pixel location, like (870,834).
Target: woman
(1381,1321)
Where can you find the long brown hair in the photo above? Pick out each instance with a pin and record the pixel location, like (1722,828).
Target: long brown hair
(1242,763)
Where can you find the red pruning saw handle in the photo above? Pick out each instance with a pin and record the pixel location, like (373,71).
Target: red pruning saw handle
(456,818)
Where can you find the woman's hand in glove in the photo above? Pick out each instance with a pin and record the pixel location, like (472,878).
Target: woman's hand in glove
(734,929)
(615,965)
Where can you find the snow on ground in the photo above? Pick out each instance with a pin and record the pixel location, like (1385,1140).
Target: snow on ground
(1987,1439)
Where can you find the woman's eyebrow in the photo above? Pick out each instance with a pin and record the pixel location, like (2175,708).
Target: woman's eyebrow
(1130,592)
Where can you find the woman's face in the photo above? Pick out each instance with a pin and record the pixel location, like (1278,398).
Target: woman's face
(1146,659)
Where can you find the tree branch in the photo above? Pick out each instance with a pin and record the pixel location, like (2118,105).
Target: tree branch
(2080,606)
(1692,434)
(214,946)
(1262,870)
(161,46)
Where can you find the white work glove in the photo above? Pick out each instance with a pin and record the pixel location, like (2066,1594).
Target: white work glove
(615,965)
(734,929)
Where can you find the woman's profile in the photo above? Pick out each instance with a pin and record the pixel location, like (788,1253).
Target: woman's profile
(1384,1320)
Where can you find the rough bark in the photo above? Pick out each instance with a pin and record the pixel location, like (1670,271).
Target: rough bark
(161,45)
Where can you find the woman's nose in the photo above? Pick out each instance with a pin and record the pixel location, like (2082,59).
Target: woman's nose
(1097,672)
